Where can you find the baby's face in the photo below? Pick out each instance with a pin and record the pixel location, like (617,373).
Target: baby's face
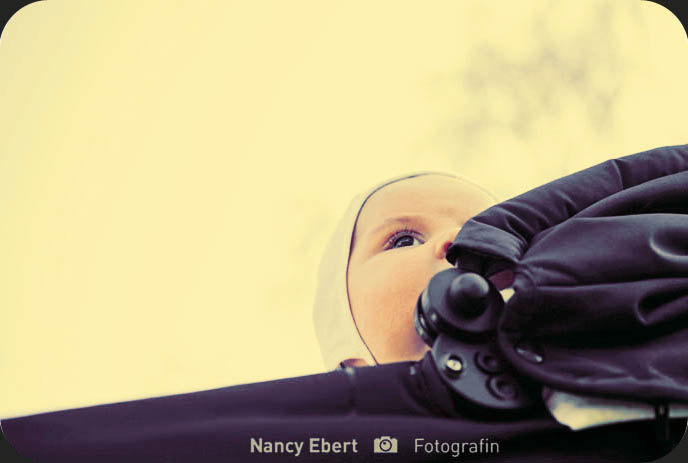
(400,241)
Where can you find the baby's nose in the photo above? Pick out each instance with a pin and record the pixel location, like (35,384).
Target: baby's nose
(444,241)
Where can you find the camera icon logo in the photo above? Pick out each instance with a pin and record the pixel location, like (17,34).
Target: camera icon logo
(385,444)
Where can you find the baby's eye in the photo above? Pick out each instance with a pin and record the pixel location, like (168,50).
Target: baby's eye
(403,238)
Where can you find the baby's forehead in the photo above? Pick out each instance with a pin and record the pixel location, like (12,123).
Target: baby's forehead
(426,194)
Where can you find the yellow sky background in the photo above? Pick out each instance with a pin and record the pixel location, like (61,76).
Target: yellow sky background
(170,171)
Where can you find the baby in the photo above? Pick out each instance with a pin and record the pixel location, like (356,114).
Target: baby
(390,242)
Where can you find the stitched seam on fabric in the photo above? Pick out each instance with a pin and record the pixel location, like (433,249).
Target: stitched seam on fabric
(423,389)
(534,295)
(350,373)
(426,392)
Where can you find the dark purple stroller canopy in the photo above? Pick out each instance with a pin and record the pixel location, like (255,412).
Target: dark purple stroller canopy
(601,276)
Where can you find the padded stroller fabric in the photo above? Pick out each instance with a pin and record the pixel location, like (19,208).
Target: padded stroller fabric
(404,400)
(601,277)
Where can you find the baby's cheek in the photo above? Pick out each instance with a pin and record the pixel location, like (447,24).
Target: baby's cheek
(383,300)
(372,305)
(405,299)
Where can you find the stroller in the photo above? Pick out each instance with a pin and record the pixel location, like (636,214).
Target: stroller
(599,312)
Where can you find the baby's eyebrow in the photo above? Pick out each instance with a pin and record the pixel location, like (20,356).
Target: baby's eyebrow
(406,219)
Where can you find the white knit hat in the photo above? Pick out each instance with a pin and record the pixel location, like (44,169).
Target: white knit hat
(335,328)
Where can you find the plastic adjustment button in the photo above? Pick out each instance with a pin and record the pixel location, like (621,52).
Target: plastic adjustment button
(468,293)
(489,363)
(502,387)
